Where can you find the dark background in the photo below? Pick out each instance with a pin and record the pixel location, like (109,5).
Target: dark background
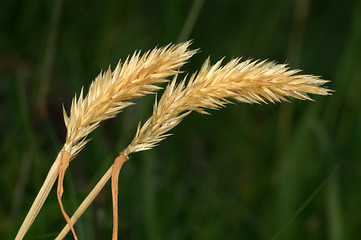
(243,172)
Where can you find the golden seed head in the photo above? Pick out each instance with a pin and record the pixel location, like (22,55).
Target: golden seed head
(111,91)
(214,86)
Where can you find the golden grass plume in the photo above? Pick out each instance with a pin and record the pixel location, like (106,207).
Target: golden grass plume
(213,87)
(111,91)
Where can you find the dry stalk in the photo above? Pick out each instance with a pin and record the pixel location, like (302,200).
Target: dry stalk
(212,88)
(117,166)
(108,94)
(40,198)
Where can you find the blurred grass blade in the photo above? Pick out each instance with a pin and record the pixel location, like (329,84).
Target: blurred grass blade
(304,205)
(190,21)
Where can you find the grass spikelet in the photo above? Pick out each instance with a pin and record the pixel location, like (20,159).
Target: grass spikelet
(111,91)
(108,94)
(214,86)
(211,88)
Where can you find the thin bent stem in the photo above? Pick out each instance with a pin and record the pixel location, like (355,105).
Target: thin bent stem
(117,166)
(85,204)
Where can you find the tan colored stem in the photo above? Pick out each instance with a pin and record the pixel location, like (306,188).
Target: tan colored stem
(117,165)
(64,163)
(40,198)
(85,204)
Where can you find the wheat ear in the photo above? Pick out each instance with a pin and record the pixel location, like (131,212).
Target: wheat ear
(212,88)
(108,94)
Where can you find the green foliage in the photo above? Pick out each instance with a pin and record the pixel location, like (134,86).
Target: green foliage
(242,173)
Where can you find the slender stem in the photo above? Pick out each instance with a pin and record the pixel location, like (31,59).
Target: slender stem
(117,166)
(64,163)
(49,58)
(87,201)
(304,205)
(40,199)
(190,21)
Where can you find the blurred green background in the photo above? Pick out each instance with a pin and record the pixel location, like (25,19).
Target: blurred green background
(282,171)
